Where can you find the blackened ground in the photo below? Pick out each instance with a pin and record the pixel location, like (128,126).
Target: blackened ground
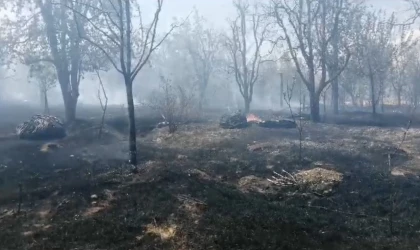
(191,189)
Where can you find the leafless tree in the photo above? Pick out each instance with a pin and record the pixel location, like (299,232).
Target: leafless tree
(202,45)
(413,71)
(415,7)
(324,96)
(333,71)
(374,52)
(344,35)
(352,84)
(299,124)
(103,103)
(304,27)
(45,77)
(109,27)
(173,102)
(401,59)
(246,57)
(44,31)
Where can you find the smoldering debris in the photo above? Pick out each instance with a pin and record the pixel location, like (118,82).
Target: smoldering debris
(234,120)
(277,124)
(41,127)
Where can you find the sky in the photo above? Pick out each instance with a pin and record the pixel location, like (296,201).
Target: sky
(217,11)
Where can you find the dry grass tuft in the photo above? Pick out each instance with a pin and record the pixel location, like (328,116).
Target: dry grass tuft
(165,232)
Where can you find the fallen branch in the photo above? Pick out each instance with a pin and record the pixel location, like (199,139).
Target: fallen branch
(284,179)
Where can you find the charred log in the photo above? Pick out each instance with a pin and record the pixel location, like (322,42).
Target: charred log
(278,124)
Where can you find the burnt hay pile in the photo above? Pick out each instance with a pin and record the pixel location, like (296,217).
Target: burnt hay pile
(41,127)
(278,124)
(233,121)
(239,120)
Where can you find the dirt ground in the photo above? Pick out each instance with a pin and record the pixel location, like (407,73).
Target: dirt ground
(207,188)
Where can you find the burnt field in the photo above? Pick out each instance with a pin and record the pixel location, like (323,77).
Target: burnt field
(204,187)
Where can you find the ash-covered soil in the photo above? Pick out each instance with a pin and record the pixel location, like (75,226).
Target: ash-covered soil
(352,187)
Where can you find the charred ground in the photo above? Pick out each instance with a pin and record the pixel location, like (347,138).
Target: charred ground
(206,188)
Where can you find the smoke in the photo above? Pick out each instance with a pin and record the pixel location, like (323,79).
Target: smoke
(221,93)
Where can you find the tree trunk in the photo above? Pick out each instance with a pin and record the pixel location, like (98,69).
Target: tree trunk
(201,100)
(314,102)
(372,94)
(70,101)
(373,107)
(373,103)
(70,108)
(415,93)
(202,91)
(382,104)
(44,100)
(353,100)
(335,96)
(399,98)
(342,100)
(281,90)
(46,106)
(131,122)
(334,89)
(247,101)
(200,104)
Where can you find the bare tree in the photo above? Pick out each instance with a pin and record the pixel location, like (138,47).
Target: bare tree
(44,31)
(202,45)
(111,25)
(246,56)
(401,58)
(174,102)
(299,125)
(307,35)
(332,70)
(288,72)
(374,52)
(413,71)
(270,84)
(415,7)
(104,103)
(45,76)
(350,83)
(344,34)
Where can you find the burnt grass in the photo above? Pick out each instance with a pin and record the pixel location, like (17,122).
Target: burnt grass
(188,191)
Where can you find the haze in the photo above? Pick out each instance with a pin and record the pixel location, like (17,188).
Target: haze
(209,124)
(16,86)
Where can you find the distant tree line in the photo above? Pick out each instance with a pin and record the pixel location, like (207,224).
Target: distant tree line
(340,51)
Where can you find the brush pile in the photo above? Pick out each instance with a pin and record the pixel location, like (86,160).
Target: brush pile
(233,121)
(41,127)
(280,123)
